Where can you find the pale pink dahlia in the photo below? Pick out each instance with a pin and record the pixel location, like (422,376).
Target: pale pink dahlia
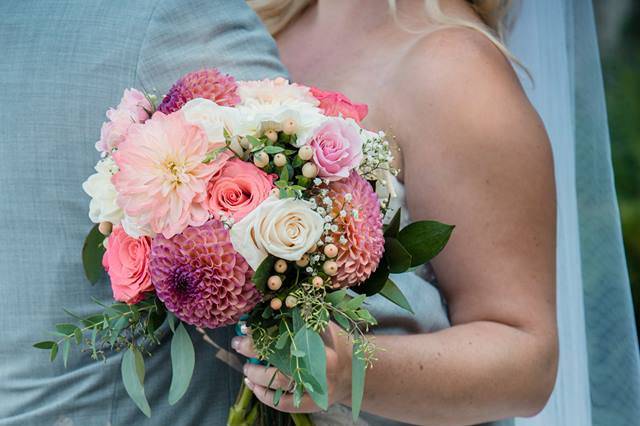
(201,278)
(162,181)
(360,226)
(208,84)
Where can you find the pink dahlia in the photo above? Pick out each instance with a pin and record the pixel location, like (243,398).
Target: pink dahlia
(134,108)
(208,84)
(162,181)
(201,278)
(360,226)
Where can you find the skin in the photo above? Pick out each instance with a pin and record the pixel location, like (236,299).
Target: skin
(476,155)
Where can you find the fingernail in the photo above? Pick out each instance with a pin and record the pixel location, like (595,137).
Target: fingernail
(245,369)
(235,343)
(248,383)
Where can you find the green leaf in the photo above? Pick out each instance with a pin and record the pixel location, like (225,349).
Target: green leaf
(92,252)
(298,322)
(315,361)
(65,351)
(172,321)
(354,303)
(117,328)
(393,227)
(276,396)
(397,256)
(297,353)
(424,240)
(336,297)
(391,292)
(54,352)
(297,162)
(255,142)
(342,321)
(132,369)
(78,335)
(284,173)
(376,281)
(282,341)
(272,149)
(183,361)
(263,273)
(66,329)
(358,369)
(48,344)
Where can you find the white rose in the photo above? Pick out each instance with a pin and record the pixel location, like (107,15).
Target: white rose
(285,228)
(134,229)
(103,206)
(212,118)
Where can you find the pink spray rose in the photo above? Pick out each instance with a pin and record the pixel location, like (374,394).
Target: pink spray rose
(127,263)
(238,188)
(337,148)
(133,108)
(335,104)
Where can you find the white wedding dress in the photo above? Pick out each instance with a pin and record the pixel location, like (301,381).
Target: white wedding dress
(598,382)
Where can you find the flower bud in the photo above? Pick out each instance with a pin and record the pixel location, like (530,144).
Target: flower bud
(280,160)
(330,250)
(244,142)
(303,261)
(317,282)
(330,268)
(275,304)
(261,159)
(272,135)
(105,228)
(305,153)
(274,282)
(289,127)
(290,302)
(309,170)
(280,266)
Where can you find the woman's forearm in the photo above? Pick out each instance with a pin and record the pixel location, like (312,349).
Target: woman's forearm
(466,374)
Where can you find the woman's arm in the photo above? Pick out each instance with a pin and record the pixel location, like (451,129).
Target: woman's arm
(477,156)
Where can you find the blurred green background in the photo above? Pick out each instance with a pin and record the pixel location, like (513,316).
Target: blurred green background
(619,37)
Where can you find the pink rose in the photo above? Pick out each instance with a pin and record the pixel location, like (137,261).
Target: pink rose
(337,148)
(127,263)
(134,108)
(237,188)
(335,104)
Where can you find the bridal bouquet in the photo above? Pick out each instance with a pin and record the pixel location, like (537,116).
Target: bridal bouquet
(252,202)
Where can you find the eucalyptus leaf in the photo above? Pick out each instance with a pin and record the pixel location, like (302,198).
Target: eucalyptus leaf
(92,252)
(182,363)
(276,396)
(391,292)
(315,361)
(65,352)
(66,329)
(133,384)
(336,297)
(54,352)
(424,240)
(398,258)
(48,344)
(263,273)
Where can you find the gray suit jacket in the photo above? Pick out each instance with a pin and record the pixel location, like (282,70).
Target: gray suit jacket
(62,63)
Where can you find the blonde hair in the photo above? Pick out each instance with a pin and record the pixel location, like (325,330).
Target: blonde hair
(277,14)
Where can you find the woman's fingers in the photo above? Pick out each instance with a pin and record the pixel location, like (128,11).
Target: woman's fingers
(244,346)
(267,377)
(265,395)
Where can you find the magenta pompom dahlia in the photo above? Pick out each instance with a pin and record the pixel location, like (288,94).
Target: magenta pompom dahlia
(201,278)
(208,84)
(359,237)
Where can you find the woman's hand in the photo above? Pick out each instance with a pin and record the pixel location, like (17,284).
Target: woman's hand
(259,378)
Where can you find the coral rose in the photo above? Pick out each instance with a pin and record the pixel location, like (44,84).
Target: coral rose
(337,148)
(127,263)
(237,189)
(335,104)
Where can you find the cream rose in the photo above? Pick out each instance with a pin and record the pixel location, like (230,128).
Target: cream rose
(285,228)
(103,206)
